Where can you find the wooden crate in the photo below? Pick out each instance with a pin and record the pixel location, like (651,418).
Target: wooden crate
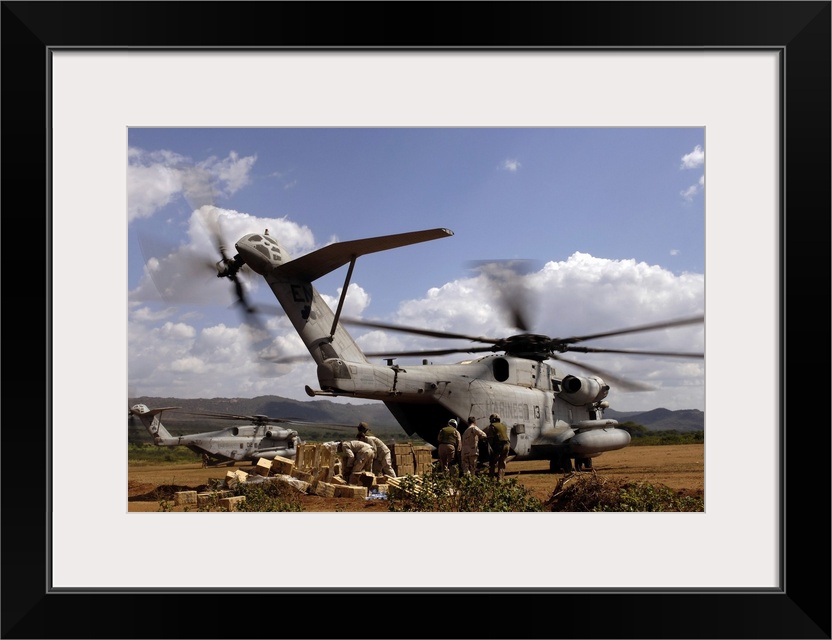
(306,455)
(283,465)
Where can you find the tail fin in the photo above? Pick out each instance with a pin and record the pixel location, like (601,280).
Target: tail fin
(151,419)
(291,283)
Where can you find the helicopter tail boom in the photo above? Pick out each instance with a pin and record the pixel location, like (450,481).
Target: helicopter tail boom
(152,421)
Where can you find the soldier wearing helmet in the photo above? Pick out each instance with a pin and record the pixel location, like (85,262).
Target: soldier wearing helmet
(498,443)
(450,443)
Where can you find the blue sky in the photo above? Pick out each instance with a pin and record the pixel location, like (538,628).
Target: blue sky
(612,218)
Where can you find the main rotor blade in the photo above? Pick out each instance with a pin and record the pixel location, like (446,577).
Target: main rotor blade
(625,385)
(430,352)
(675,354)
(263,419)
(416,330)
(234,416)
(511,293)
(620,332)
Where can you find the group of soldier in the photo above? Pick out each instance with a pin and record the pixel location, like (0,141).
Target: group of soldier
(368,453)
(467,445)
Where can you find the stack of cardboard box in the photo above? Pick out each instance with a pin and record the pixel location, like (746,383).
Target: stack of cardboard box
(402,456)
(423,459)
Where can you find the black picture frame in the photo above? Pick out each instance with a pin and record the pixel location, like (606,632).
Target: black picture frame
(800,31)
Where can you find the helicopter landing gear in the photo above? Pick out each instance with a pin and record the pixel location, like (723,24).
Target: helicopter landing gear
(583,464)
(561,464)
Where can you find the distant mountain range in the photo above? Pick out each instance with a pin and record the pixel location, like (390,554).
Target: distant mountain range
(376,414)
(662,419)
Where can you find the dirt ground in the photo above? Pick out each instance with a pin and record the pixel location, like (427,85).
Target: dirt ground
(679,467)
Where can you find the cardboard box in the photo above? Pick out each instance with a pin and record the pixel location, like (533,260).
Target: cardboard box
(184,497)
(263,467)
(349,491)
(306,476)
(231,503)
(325,490)
(366,479)
(232,478)
(211,498)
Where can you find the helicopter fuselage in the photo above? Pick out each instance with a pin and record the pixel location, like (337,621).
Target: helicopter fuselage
(243,442)
(546,411)
(250,442)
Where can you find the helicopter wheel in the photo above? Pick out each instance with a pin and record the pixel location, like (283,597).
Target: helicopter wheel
(561,464)
(583,464)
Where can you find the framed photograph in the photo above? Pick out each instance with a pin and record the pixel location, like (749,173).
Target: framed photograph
(78,76)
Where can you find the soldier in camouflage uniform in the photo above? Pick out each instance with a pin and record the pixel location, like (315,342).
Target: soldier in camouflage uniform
(383,460)
(470,445)
(498,441)
(358,456)
(450,443)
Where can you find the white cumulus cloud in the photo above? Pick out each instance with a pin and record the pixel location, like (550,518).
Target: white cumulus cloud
(511,164)
(694,159)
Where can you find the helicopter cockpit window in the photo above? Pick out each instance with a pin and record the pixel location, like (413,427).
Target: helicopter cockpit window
(500,369)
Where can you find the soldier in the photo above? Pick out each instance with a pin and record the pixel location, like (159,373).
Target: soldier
(498,441)
(358,456)
(470,445)
(382,460)
(450,443)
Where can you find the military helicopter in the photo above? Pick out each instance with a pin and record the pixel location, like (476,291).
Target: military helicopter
(264,437)
(552,415)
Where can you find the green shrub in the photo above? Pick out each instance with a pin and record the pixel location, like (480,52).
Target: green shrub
(438,491)
(268,496)
(589,492)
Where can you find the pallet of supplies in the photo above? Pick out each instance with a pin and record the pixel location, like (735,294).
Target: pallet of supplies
(410,484)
